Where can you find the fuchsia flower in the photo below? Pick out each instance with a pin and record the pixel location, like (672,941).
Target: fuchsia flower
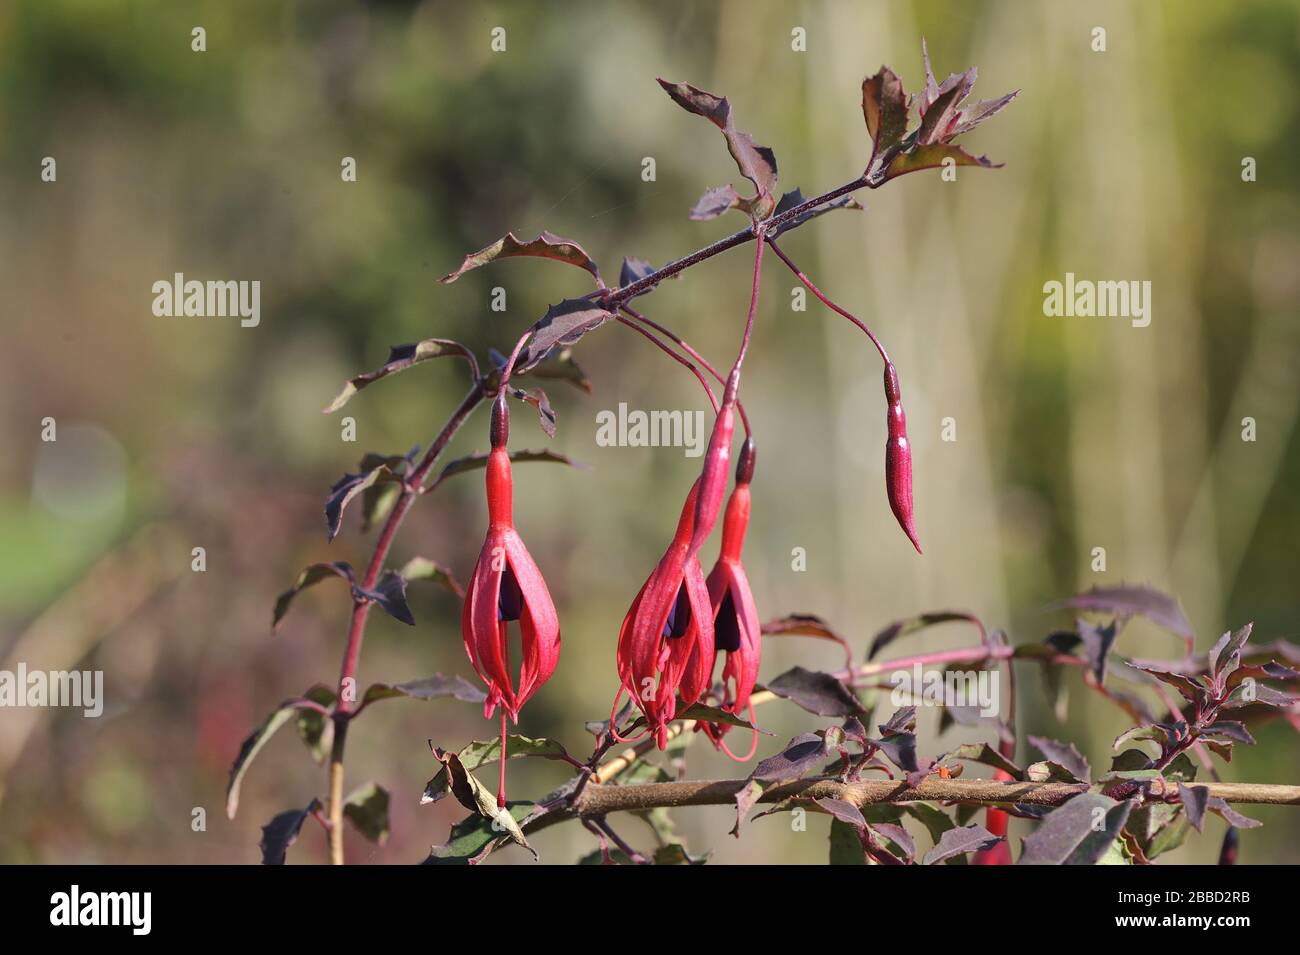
(665,646)
(506,587)
(736,630)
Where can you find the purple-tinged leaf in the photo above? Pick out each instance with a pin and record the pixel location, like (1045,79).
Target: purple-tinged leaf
(816,692)
(1190,690)
(390,594)
(546,246)
(746,799)
(901,750)
(1250,693)
(715,202)
(909,625)
(538,399)
(282,832)
(806,625)
(1065,755)
(348,487)
(795,198)
(843,811)
(801,755)
(981,111)
(1229,815)
(474,462)
(1220,658)
(634,270)
(1222,750)
(310,576)
(903,720)
(956,842)
(1126,601)
(1195,800)
(756,163)
(562,325)
(898,836)
(400,358)
(429,688)
(1230,730)
(1097,642)
(885,109)
(1068,835)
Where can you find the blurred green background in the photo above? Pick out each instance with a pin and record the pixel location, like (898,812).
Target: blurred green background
(176,433)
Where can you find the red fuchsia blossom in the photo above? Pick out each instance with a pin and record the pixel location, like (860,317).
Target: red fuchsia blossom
(506,587)
(665,646)
(736,629)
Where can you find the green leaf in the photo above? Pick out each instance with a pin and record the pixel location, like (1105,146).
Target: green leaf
(421,568)
(703,713)
(400,358)
(310,576)
(481,752)
(251,747)
(675,854)
(430,688)
(315,728)
(367,809)
(473,838)
(547,245)
(476,797)
(845,845)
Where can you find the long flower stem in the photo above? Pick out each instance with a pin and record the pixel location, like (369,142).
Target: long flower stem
(713,399)
(344,710)
(825,300)
(686,347)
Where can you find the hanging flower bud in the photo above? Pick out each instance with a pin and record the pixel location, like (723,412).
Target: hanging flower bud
(736,629)
(717,458)
(898,458)
(666,642)
(507,589)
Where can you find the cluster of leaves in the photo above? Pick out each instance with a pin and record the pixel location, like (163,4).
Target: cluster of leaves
(1147,800)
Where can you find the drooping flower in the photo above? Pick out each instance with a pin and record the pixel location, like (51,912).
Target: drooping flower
(736,629)
(665,646)
(507,589)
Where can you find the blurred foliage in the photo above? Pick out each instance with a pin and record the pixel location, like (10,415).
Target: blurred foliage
(177,433)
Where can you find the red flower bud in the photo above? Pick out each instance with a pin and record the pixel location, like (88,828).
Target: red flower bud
(666,643)
(898,458)
(713,479)
(506,587)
